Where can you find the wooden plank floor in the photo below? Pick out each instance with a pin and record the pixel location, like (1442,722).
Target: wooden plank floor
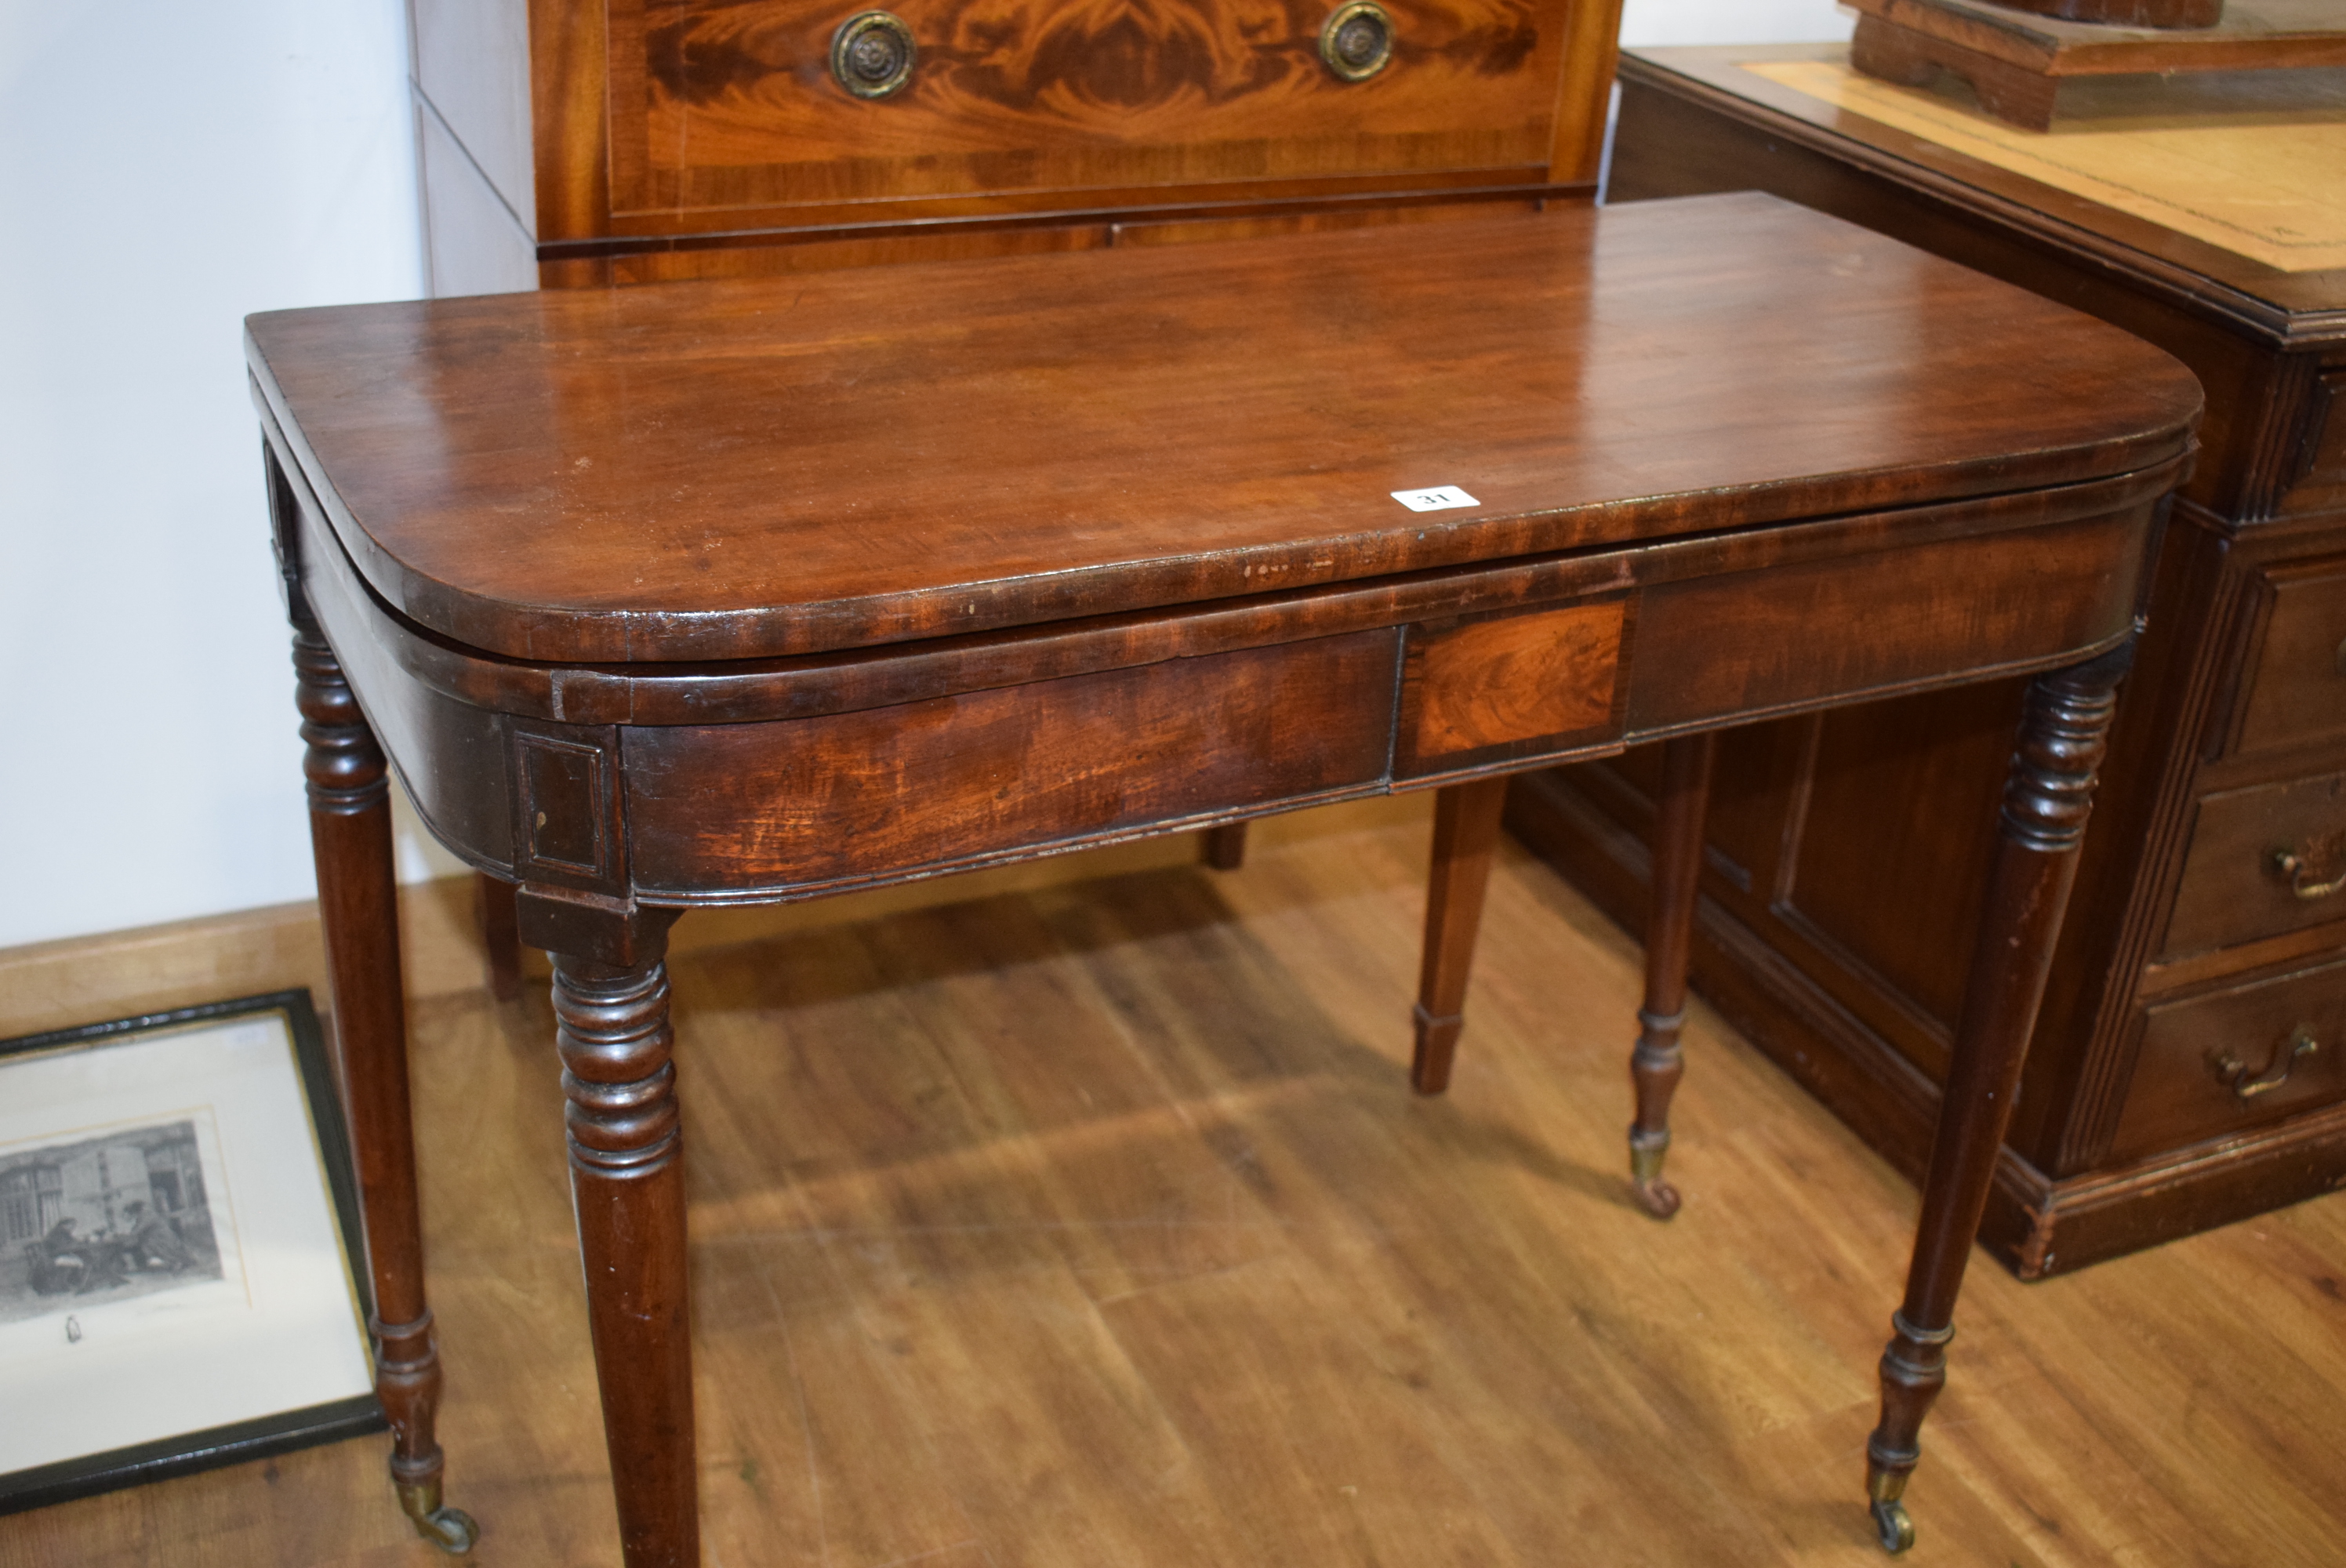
(1096,1226)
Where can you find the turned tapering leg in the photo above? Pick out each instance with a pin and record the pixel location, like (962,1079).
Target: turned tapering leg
(1657,1064)
(500,936)
(627,1185)
(2064,730)
(1465,831)
(1225,846)
(349,834)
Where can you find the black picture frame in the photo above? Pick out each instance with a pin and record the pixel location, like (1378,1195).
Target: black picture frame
(236,1442)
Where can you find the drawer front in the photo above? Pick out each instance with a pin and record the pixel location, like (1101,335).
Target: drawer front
(2295,694)
(2236,1060)
(802,804)
(726,114)
(2263,863)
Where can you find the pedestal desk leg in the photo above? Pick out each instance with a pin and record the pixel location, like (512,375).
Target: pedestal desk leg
(1657,1064)
(626,1184)
(1225,846)
(1465,830)
(350,833)
(2063,733)
(500,939)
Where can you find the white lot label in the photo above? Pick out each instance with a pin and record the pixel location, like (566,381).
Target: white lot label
(1441,498)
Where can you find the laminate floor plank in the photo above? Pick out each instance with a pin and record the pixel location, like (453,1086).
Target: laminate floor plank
(1096,1223)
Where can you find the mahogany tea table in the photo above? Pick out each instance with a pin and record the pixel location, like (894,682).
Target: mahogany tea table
(729,592)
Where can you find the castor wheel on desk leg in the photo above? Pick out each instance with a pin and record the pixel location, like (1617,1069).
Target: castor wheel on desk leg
(1887,1467)
(1655,1195)
(449,1529)
(1893,1526)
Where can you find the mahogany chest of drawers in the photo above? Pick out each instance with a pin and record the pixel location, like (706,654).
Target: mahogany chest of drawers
(2190,1066)
(581,142)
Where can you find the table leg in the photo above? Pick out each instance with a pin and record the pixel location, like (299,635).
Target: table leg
(349,834)
(1465,831)
(500,938)
(2063,732)
(627,1186)
(1657,1064)
(1225,847)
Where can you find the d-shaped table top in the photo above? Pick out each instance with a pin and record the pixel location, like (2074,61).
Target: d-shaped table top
(802,463)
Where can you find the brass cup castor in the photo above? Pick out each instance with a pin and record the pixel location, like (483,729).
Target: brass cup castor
(1655,1195)
(1893,1526)
(449,1529)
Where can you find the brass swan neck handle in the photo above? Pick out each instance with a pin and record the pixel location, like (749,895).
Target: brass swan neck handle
(2234,1074)
(2291,866)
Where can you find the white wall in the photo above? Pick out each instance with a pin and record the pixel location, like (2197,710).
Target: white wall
(1733,21)
(166,167)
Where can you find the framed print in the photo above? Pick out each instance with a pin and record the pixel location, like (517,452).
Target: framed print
(181,1280)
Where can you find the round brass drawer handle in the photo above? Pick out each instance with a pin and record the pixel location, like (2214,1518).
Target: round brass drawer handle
(871,54)
(1357,40)
(2234,1074)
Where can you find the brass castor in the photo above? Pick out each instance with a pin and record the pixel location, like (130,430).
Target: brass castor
(1893,1526)
(1657,1198)
(449,1529)
(1655,1195)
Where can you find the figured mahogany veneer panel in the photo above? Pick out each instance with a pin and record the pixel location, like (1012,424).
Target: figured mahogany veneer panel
(731,103)
(808,803)
(789,466)
(1747,643)
(1513,687)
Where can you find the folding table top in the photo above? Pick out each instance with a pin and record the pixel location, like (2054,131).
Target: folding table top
(789,466)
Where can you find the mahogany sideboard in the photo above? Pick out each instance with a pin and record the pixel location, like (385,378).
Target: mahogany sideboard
(759,589)
(2189,1065)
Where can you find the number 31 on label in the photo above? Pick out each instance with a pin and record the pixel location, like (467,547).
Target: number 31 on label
(1441,498)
